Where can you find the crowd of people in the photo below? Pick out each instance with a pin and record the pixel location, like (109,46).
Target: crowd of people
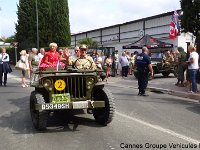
(187,63)
(188,68)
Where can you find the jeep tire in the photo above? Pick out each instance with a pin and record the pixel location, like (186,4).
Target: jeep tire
(165,74)
(104,115)
(39,117)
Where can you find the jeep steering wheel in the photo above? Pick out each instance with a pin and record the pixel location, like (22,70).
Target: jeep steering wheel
(82,63)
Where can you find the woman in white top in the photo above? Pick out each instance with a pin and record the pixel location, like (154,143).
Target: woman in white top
(24,59)
(193,66)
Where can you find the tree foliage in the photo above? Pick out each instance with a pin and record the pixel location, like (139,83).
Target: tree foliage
(45,22)
(53,23)
(10,39)
(60,20)
(89,42)
(190,19)
(25,27)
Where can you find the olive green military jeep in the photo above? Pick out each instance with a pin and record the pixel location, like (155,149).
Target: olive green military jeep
(70,89)
(159,65)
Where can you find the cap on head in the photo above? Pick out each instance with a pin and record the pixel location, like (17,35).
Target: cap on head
(83,46)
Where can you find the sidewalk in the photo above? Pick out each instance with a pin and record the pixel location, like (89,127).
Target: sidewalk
(159,84)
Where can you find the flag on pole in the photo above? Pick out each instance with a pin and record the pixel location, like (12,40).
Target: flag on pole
(172,31)
(174,26)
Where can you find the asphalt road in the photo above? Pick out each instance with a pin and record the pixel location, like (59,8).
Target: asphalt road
(153,122)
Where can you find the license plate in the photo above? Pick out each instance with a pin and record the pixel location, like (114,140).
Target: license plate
(80,105)
(60,98)
(55,106)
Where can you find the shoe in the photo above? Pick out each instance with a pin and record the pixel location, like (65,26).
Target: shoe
(181,85)
(139,93)
(190,92)
(23,85)
(177,84)
(26,85)
(144,94)
(5,85)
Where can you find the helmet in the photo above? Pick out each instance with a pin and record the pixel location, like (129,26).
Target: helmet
(83,46)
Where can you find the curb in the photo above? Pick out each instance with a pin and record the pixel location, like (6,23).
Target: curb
(193,96)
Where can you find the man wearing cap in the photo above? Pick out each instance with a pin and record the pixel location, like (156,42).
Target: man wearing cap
(84,61)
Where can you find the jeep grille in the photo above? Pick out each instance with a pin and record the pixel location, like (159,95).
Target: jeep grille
(75,85)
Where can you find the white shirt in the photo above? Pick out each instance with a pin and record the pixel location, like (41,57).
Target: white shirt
(195,64)
(4,58)
(124,61)
(40,56)
(116,57)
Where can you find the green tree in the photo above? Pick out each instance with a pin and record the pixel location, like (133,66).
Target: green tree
(190,19)
(25,27)
(89,42)
(60,23)
(44,22)
(53,23)
(10,39)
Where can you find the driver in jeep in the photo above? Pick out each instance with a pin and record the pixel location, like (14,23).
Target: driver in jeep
(83,61)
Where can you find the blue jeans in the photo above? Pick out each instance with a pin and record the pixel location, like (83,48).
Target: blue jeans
(193,75)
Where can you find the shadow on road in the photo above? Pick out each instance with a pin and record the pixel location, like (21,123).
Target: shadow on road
(19,119)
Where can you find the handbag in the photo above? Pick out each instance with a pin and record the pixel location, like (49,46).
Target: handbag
(20,65)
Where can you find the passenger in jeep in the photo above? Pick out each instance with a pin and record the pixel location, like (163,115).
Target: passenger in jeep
(52,58)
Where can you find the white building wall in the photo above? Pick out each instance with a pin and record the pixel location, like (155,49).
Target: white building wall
(129,33)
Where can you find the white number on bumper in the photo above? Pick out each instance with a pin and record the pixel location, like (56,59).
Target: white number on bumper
(80,105)
(54,106)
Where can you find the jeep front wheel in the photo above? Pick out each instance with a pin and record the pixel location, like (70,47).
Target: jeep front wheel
(104,115)
(39,118)
(165,74)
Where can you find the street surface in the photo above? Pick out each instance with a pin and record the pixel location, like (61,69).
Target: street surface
(160,121)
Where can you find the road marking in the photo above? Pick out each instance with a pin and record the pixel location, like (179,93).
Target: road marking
(159,128)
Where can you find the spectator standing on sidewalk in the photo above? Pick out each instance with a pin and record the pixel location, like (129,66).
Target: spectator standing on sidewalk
(193,67)
(116,61)
(132,61)
(41,54)
(125,64)
(181,66)
(33,61)
(109,62)
(24,59)
(4,66)
(143,63)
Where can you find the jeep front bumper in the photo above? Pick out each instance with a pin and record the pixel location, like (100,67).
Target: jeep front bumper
(70,105)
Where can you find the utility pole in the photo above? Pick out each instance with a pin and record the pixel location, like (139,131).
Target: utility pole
(38,46)
(15,44)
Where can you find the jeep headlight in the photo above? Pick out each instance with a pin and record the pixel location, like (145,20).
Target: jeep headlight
(90,81)
(47,83)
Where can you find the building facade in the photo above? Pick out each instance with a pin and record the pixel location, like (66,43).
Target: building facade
(122,34)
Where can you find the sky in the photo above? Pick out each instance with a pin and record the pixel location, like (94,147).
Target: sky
(87,15)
